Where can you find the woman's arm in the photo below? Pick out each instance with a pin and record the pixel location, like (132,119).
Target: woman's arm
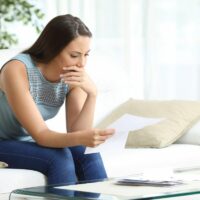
(81,100)
(14,83)
(80,109)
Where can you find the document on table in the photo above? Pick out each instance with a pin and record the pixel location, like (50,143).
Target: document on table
(149,180)
(122,127)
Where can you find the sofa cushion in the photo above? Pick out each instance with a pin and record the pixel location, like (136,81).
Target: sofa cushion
(19,178)
(136,160)
(192,136)
(178,116)
(3,164)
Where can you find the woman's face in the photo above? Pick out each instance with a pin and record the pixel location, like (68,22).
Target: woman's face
(75,53)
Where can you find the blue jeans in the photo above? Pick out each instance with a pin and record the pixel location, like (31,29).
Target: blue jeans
(60,165)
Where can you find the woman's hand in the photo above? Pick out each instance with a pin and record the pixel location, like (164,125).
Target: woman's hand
(95,137)
(77,77)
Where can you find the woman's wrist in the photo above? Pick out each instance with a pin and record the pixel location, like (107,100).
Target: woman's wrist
(75,137)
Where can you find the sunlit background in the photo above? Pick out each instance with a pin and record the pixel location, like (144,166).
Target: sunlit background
(145,49)
(151,46)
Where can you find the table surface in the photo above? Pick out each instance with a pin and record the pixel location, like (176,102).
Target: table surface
(107,189)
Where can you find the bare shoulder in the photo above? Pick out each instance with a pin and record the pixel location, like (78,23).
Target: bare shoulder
(13,66)
(12,71)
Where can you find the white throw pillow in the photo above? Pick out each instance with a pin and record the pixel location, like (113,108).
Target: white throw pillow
(192,136)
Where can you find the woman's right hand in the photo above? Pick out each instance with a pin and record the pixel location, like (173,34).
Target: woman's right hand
(95,137)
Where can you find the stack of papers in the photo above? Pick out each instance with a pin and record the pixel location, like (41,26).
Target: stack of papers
(158,177)
(151,177)
(148,182)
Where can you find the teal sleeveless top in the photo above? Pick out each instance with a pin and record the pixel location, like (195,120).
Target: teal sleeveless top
(48,97)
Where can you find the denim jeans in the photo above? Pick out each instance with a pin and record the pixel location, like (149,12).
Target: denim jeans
(60,165)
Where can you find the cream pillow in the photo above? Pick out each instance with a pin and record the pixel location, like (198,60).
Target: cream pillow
(3,164)
(178,116)
(192,136)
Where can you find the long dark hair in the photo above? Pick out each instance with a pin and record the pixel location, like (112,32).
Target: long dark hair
(57,34)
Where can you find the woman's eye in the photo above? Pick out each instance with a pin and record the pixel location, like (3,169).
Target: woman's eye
(74,56)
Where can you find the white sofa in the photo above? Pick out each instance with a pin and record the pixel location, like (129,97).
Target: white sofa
(119,163)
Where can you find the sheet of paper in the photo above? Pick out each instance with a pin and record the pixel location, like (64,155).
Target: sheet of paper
(122,126)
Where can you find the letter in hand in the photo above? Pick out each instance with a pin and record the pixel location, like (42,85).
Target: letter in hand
(101,136)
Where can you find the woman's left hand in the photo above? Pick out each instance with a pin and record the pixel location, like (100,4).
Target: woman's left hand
(77,77)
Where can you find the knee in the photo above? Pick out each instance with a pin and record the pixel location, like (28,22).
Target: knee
(61,167)
(61,158)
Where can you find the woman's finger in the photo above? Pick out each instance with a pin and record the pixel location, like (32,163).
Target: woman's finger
(74,78)
(107,132)
(70,74)
(73,68)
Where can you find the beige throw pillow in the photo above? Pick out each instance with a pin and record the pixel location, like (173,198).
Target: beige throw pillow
(3,164)
(178,116)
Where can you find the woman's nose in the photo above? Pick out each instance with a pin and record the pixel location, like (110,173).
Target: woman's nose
(81,63)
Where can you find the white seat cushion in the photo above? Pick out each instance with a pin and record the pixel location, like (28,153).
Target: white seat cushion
(12,179)
(130,161)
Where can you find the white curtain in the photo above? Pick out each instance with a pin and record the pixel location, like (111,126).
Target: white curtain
(172,49)
(151,48)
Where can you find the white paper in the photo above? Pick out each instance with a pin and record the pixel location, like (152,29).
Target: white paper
(152,174)
(122,127)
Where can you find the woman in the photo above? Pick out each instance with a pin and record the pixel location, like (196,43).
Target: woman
(33,87)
